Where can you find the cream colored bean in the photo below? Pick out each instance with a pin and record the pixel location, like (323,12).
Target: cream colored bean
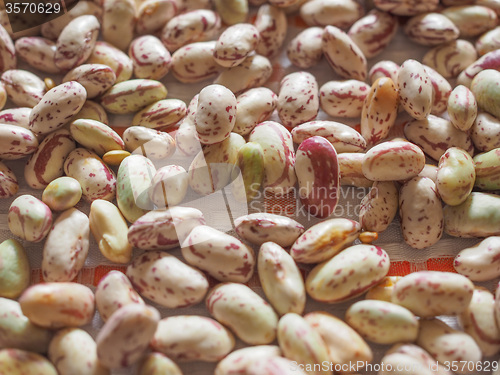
(8,182)
(66,247)
(118,22)
(281,279)
(239,361)
(150,57)
(95,136)
(152,15)
(444,293)
(298,100)
(455,176)
(16,142)
(484,88)
(302,344)
(252,107)
(20,362)
(489,41)
(62,193)
(76,42)
(73,351)
(190,27)
(448,345)
(91,111)
(250,317)
(38,52)
(164,229)
(186,138)
(235,44)
(351,170)
(151,143)
(383,290)
(169,186)
(166,280)
(479,262)
(272,25)
(471,20)
(114,291)
(207,249)
(107,54)
(46,164)
(406,7)
(329,12)
(15,270)
(17,330)
(232,11)
(253,72)
(487,170)
(109,229)
(324,240)
(344,56)
(425,362)
(58,305)
(96,78)
(379,206)
(29,218)
(133,95)
(388,323)
(25,89)
(304,51)
(434,135)
(158,364)
(195,62)
(373,32)
(97,180)
(449,59)
(56,107)
(366,265)
(125,337)
(192,338)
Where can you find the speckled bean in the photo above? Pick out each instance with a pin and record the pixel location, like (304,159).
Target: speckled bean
(133,95)
(351,169)
(383,290)
(91,111)
(16,116)
(488,170)
(195,62)
(302,344)
(97,180)
(434,135)
(16,142)
(252,107)
(163,230)
(150,57)
(192,338)
(164,114)
(158,364)
(232,11)
(344,56)
(125,336)
(444,293)
(441,88)
(151,143)
(109,229)
(480,262)
(235,44)
(164,279)
(272,25)
(275,366)
(62,193)
(384,68)
(207,248)
(186,138)
(279,156)
(96,78)
(24,88)
(448,345)
(431,29)
(449,59)
(20,362)
(118,22)
(406,7)
(152,15)
(491,60)
(471,20)
(373,33)
(379,206)
(462,108)
(73,351)
(239,361)
(193,26)
(107,54)
(66,247)
(38,52)
(343,98)
(253,72)
(17,330)
(455,176)
(8,58)
(489,41)
(29,218)
(329,12)
(366,265)
(8,182)
(304,51)
(415,89)
(169,186)
(58,305)
(114,291)
(15,269)
(95,136)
